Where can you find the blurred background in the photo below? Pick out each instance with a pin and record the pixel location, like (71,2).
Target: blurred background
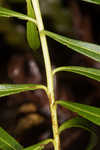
(26,116)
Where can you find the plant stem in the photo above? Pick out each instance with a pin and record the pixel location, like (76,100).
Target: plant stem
(49,74)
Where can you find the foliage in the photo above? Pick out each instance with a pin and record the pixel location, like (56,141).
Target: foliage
(88,72)
(4,12)
(40,145)
(88,112)
(32,33)
(7,142)
(84,124)
(88,49)
(34,22)
(93,1)
(9,89)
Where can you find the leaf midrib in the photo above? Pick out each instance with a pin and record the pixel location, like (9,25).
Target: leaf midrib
(82,110)
(7,143)
(69,42)
(68,68)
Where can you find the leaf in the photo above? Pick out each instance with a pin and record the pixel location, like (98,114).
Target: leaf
(39,146)
(77,122)
(93,1)
(88,72)
(84,124)
(88,112)
(85,48)
(32,32)
(92,143)
(4,12)
(7,142)
(9,89)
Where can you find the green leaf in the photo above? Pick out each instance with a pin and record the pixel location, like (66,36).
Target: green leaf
(84,124)
(4,12)
(32,32)
(85,48)
(88,112)
(88,72)
(7,142)
(77,122)
(9,89)
(39,146)
(93,1)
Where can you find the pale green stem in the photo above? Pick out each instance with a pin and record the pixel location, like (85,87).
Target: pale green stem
(49,74)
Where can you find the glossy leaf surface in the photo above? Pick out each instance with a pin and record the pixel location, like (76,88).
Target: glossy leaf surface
(7,142)
(39,146)
(88,112)
(32,32)
(84,124)
(9,89)
(93,1)
(85,48)
(88,72)
(4,12)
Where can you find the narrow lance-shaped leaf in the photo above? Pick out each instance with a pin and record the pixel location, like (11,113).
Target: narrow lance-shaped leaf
(88,112)
(88,72)
(7,142)
(93,1)
(40,145)
(4,12)
(85,48)
(32,32)
(9,89)
(84,124)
